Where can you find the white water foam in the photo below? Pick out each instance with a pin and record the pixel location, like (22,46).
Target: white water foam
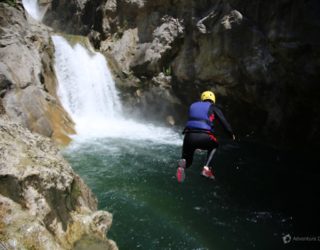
(33,8)
(87,91)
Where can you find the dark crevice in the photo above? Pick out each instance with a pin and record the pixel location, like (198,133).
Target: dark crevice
(10,187)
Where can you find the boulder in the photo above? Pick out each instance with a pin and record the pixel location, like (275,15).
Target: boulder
(43,203)
(151,57)
(76,17)
(27,79)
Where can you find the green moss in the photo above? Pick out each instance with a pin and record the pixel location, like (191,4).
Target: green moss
(10,2)
(167,71)
(75,194)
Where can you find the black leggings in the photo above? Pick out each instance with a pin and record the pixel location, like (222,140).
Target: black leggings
(193,141)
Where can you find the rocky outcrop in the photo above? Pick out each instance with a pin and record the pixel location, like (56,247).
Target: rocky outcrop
(257,68)
(260,58)
(73,17)
(43,203)
(27,79)
(151,57)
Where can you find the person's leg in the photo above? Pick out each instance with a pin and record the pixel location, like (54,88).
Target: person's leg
(210,155)
(187,158)
(188,149)
(207,142)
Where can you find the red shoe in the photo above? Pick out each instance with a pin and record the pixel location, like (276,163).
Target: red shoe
(207,172)
(181,175)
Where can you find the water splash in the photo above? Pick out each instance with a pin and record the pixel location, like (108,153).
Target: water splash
(34,10)
(87,91)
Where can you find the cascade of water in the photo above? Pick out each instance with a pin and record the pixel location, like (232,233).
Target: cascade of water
(87,91)
(33,8)
(86,87)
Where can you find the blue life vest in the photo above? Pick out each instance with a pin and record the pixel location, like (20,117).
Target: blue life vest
(198,116)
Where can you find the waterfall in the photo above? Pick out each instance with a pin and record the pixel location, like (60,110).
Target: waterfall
(87,91)
(33,8)
(86,87)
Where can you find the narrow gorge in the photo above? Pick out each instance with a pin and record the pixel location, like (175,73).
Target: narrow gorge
(93,99)
(260,58)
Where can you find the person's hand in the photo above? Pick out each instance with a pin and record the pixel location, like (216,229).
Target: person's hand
(233,137)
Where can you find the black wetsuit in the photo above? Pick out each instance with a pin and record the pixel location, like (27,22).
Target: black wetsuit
(199,138)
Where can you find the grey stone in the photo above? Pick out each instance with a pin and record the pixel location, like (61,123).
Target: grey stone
(43,203)
(27,77)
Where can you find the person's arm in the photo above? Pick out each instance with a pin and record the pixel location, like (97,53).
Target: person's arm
(223,121)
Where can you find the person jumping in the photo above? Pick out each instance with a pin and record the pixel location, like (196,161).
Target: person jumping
(199,134)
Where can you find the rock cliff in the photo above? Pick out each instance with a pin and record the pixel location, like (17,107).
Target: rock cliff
(261,58)
(43,203)
(27,79)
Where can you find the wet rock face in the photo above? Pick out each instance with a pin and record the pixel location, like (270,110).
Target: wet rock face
(73,17)
(261,58)
(27,80)
(43,203)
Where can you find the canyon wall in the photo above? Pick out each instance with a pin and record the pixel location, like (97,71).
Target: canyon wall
(43,203)
(261,59)
(27,79)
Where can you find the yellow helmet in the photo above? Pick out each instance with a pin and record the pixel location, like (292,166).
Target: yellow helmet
(208,95)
